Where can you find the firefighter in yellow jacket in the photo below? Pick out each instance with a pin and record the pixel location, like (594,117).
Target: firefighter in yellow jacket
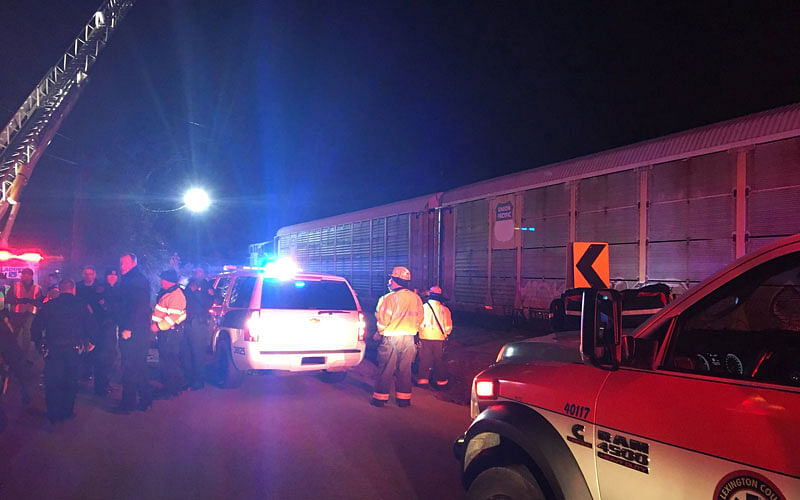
(399,314)
(436,326)
(169,313)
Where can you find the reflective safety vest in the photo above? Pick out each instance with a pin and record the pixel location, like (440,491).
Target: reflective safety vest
(399,313)
(20,292)
(170,311)
(431,329)
(3,293)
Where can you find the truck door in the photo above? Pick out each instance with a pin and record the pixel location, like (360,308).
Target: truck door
(719,417)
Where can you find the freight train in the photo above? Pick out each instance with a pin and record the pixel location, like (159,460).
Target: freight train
(673,210)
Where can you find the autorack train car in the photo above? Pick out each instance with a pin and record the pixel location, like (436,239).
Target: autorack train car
(673,209)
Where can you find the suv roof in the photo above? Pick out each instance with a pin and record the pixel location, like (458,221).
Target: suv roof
(261,272)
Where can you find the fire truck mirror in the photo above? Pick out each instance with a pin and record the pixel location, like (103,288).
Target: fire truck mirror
(601,324)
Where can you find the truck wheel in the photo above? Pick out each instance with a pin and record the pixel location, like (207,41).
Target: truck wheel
(333,377)
(228,375)
(513,482)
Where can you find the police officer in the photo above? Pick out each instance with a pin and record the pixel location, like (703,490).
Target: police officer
(135,335)
(168,314)
(62,330)
(89,291)
(436,326)
(399,314)
(197,332)
(105,351)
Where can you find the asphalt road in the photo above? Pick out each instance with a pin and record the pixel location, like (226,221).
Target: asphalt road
(278,436)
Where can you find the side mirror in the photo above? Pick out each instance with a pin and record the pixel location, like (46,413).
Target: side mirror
(601,325)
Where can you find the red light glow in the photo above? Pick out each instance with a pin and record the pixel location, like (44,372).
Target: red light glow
(362,327)
(27,256)
(30,257)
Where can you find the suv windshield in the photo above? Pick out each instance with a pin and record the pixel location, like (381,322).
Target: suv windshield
(299,294)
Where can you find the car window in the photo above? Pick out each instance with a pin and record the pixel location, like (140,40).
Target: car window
(221,289)
(242,291)
(748,329)
(299,294)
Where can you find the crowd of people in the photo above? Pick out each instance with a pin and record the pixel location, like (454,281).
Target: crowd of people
(80,329)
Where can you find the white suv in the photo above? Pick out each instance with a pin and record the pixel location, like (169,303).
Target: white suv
(295,322)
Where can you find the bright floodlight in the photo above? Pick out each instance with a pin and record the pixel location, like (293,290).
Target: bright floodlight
(196,200)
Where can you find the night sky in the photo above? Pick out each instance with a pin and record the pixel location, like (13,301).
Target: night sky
(289,111)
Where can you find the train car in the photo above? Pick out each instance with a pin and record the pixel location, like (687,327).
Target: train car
(673,210)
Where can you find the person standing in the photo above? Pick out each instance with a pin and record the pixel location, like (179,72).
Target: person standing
(62,331)
(135,335)
(25,299)
(436,325)
(399,314)
(90,292)
(196,333)
(168,314)
(105,351)
(52,287)
(14,358)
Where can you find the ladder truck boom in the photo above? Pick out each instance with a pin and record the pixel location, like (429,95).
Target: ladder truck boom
(30,130)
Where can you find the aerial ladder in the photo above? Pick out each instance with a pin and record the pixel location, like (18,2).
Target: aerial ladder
(24,139)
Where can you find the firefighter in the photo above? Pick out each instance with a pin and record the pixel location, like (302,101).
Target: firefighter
(4,291)
(399,314)
(168,314)
(62,331)
(134,334)
(199,299)
(437,324)
(25,299)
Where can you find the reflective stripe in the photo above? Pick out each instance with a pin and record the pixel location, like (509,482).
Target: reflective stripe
(169,320)
(403,395)
(161,308)
(380,397)
(441,382)
(175,311)
(155,318)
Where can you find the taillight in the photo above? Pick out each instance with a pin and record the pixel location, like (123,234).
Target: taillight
(252,327)
(485,389)
(362,327)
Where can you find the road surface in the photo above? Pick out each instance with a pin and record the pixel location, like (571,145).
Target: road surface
(277,436)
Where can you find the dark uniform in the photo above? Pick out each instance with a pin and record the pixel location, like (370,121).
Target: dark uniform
(106,347)
(134,315)
(62,330)
(101,359)
(197,332)
(12,355)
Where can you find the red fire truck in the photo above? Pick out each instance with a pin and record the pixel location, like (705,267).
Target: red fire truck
(701,401)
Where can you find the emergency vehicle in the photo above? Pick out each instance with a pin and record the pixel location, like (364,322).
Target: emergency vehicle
(277,317)
(701,401)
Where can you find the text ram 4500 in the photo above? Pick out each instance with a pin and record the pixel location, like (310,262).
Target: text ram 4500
(702,401)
